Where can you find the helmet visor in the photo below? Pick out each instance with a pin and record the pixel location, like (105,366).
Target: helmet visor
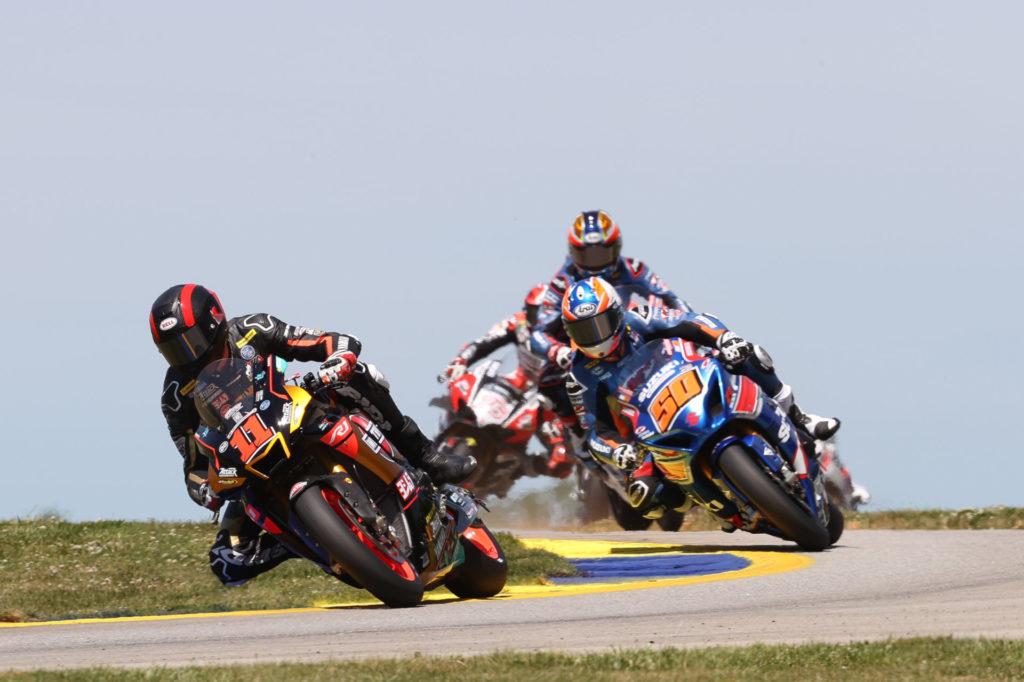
(595,256)
(185,349)
(592,332)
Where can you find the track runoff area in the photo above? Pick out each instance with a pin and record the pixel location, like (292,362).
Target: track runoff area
(604,567)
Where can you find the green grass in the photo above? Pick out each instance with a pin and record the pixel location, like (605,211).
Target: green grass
(54,570)
(894,660)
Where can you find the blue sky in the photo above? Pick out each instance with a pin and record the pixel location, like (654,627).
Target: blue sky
(840,183)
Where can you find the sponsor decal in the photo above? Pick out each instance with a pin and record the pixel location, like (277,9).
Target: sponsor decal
(223,447)
(264,405)
(657,380)
(342,430)
(297,488)
(244,341)
(592,238)
(227,471)
(584,309)
(248,353)
(168,323)
(187,388)
(784,430)
(405,486)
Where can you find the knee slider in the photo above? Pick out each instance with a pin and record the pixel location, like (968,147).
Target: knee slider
(762,359)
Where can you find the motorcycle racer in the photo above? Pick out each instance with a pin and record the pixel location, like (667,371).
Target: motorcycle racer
(190,329)
(595,250)
(605,334)
(531,370)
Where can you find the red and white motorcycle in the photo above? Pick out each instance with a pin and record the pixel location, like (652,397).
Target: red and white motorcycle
(488,416)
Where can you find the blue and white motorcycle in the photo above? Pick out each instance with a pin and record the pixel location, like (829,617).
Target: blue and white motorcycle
(727,444)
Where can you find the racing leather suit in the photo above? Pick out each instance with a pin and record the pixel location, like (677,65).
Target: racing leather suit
(241,551)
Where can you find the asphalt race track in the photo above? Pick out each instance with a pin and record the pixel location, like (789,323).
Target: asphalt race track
(873,585)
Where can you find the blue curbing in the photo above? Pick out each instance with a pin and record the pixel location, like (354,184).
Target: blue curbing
(652,566)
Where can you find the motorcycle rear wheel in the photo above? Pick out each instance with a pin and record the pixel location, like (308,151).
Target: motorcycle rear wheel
(836,522)
(625,514)
(671,520)
(394,582)
(771,500)
(480,575)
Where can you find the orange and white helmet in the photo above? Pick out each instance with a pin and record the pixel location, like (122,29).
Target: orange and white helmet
(593,317)
(595,243)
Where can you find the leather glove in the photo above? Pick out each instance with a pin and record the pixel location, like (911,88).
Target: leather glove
(625,456)
(455,369)
(337,369)
(735,349)
(561,356)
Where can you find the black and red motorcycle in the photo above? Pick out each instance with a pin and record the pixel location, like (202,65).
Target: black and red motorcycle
(326,482)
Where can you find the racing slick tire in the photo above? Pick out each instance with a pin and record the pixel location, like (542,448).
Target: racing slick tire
(836,522)
(377,568)
(757,486)
(625,514)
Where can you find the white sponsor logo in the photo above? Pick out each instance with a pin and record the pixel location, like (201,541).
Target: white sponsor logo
(405,485)
(168,323)
(227,471)
(655,382)
(584,309)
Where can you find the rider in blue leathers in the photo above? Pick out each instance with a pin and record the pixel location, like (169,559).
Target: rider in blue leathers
(595,247)
(605,334)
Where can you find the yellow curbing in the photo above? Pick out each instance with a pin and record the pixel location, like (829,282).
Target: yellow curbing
(761,563)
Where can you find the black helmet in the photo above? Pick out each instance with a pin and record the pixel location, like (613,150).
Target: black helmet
(188,322)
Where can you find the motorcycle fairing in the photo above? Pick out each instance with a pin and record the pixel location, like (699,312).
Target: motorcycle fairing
(677,402)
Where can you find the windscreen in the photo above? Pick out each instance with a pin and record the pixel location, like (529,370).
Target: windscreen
(224,393)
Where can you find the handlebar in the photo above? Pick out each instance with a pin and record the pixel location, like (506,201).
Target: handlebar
(312,383)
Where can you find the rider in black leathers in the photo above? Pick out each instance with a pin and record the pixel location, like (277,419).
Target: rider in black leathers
(190,330)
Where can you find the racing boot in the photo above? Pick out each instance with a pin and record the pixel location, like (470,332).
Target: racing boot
(241,551)
(421,453)
(820,428)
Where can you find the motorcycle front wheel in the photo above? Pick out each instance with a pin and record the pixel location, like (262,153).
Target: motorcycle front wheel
(378,568)
(771,500)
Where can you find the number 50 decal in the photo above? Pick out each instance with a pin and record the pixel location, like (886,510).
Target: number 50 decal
(250,436)
(671,399)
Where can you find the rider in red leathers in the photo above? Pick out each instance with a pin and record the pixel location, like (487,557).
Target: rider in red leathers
(190,330)
(530,371)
